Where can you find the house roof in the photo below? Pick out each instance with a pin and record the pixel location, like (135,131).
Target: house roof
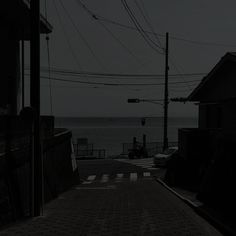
(16,13)
(196,94)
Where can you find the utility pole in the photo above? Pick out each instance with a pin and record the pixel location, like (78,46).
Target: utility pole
(166,97)
(36,161)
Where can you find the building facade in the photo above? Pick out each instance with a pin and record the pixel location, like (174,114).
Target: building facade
(15,27)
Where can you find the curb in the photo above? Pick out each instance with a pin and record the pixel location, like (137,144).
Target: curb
(186,200)
(224,229)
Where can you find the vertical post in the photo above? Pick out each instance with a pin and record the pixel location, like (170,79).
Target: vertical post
(134,143)
(35,104)
(144,140)
(22,71)
(166,99)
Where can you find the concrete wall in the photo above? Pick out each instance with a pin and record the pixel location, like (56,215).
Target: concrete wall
(15,172)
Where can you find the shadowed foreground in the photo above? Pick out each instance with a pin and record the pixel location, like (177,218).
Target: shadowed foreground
(109,204)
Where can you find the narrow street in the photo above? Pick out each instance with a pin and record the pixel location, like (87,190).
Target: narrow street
(116,198)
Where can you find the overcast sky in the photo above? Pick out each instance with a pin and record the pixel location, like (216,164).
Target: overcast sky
(80,43)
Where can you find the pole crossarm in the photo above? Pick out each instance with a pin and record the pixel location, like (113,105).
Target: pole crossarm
(180,99)
(138,100)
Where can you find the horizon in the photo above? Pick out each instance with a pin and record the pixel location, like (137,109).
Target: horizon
(193,117)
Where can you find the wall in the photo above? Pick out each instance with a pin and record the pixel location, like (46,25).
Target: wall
(222,115)
(15,170)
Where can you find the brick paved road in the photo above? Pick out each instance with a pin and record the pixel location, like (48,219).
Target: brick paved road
(133,204)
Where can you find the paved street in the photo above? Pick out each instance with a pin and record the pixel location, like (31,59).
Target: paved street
(116,198)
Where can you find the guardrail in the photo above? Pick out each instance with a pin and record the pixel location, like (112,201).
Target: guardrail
(88,152)
(152,147)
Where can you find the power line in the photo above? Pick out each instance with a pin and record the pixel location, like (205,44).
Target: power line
(81,36)
(122,44)
(204,43)
(128,77)
(66,37)
(136,23)
(139,25)
(112,84)
(197,42)
(147,20)
(116,75)
(139,28)
(150,25)
(109,32)
(124,2)
(178,71)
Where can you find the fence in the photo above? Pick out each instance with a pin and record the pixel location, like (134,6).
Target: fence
(88,152)
(152,147)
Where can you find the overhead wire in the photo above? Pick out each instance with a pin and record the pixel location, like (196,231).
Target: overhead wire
(150,25)
(78,64)
(139,25)
(146,38)
(111,84)
(135,75)
(93,16)
(190,41)
(116,75)
(122,44)
(178,71)
(82,37)
(147,19)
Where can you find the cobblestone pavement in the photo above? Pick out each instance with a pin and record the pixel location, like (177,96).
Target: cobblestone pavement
(125,207)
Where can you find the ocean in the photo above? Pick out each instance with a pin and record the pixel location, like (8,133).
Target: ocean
(111,133)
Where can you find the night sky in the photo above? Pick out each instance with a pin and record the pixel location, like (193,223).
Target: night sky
(201,32)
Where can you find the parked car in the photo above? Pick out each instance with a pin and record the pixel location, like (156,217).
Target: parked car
(161,159)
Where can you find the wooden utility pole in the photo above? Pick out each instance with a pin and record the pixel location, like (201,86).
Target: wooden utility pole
(166,97)
(36,162)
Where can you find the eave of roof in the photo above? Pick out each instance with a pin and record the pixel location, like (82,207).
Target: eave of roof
(228,56)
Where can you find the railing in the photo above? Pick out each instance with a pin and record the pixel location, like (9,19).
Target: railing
(152,147)
(88,152)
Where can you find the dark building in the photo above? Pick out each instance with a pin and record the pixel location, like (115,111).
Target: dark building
(217,96)
(207,160)
(15,26)
(16,128)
